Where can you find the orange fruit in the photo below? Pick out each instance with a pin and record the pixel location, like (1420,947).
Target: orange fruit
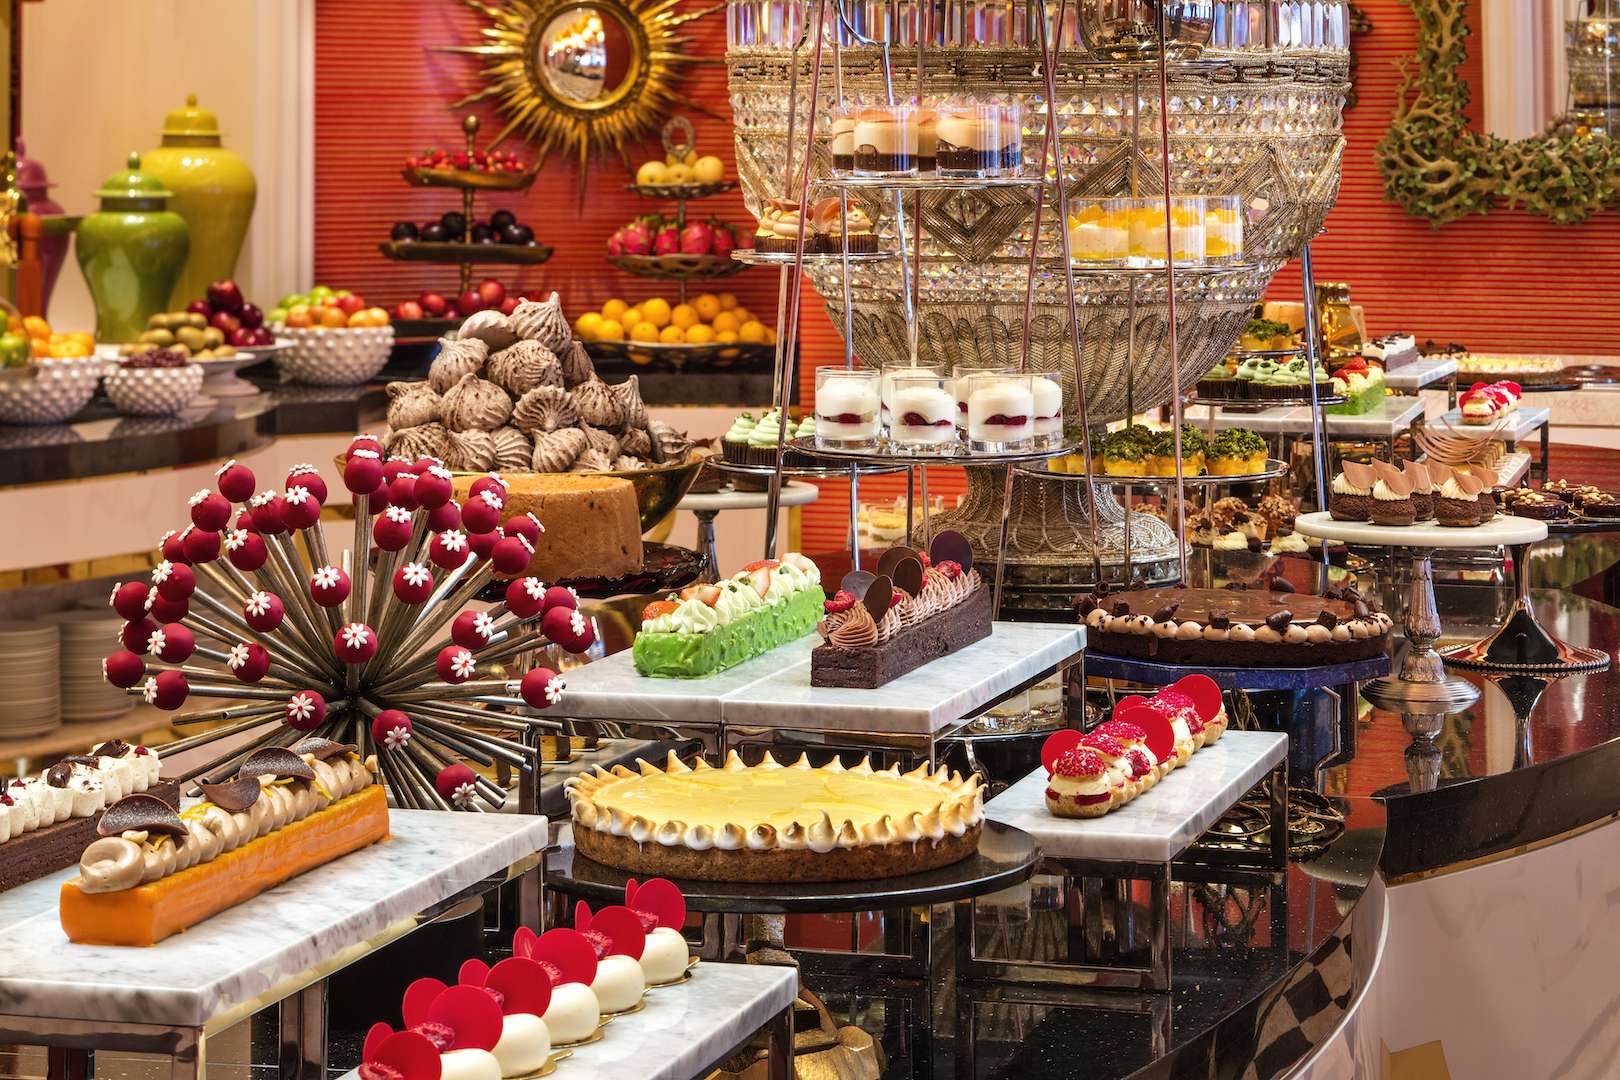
(752,332)
(656,311)
(614,309)
(727,301)
(672,335)
(699,335)
(609,330)
(726,323)
(683,315)
(644,331)
(587,324)
(333,318)
(742,315)
(708,306)
(36,327)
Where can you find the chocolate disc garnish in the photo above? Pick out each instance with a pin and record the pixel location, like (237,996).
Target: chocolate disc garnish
(1121,608)
(1085,605)
(1332,592)
(1101,589)
(1280,620)
(59,774)
(1362,610)
(856,582)
(1166,613)
(323,749)
(907,574)
(1327,618)
(276,761)
(80,759)
(886,564)
(1220,620)
(140,813)
(879,595)
(112,748)
(1282,585)
(950,545)
(233,795)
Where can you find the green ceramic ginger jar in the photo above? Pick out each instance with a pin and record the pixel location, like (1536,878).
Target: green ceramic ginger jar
(214,190)
(131,252)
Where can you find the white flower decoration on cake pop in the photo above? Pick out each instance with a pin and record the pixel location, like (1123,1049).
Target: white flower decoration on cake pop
(301,468)
(300,706)
(263,498)
(151,598)
(237,656)
(399,514)
(495,501)
(297,494)
(534,587)
(454,540)
(463,796)
(235,539)
(554,690)
(164,539)
(576,623)
(161,572)
(397,737)
(103,669)
(149,690)
(196,500)
(113,599)
(536,521)
(416,575)
(327,577)
(463,664)
(155,641)
(440,471)
(354,634)
(484,625)
(222,469)
(258,603)
(364,453)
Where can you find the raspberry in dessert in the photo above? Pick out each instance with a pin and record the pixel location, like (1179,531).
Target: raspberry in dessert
(964,375)
(885,140)
(891,374)
(847,404)
(1001,413)
(1486,403)
(923,416)
(1047,390)
(1080,786)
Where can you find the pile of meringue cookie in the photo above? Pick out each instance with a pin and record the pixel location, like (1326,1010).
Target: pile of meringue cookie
(518,393)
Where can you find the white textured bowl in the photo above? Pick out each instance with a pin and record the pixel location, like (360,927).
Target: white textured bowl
(327,357)
(54,395)
(160,391)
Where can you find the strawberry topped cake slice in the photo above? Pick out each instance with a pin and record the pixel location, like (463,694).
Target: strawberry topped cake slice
(708,628)
(1486,403)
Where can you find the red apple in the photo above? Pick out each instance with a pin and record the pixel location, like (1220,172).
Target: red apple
(251,316)
(225,296)
(408,309)
(469,302)
(225,322)
(492,291)
(350,304)
(243,337)
(434,304)
(263,336)
(199,307)
(509,305)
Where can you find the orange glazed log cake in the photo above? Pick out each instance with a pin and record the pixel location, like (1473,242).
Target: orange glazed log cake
(155,872)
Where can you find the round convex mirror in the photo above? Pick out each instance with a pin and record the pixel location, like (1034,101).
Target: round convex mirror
(585,56)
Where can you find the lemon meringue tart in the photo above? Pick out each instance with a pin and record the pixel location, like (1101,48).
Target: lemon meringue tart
(775,822)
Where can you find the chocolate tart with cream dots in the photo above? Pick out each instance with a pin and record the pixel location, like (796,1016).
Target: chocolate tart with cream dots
(775,822)
(1234,627)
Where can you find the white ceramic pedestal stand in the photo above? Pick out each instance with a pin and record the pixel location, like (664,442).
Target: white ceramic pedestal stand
(1422,686)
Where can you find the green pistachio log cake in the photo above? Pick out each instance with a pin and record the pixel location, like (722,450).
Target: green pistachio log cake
(708,628)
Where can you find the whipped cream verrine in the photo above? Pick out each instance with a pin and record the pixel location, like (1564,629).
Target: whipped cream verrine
(847,408)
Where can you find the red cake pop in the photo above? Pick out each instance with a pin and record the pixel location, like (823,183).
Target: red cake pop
(123,669)
(511,555)
(329,586)
(263,611)
(392,529)
(236,481)
(129,599)
(568,628)
(449,549)
(444,518)
(136,633)
(481,544)
(306,476)
(164,610)
(472,629)
(269,513)
(244,520)
(433,486)
(379,500)
(172,643)
(394,468)
(363,472)
(306,710)
(525,525)
(303,508)
(355,643)
(365,441)
(481,513)
(201,546)
(525,597)
(426,462)
(249,661)
(540,688)
(402,491)
(174,580)
(455,785)
(246,550)
(173,546)
(455,664)
(561,596)
(391,728)
(488,482)
(210,510)
(413,583)
(167,690)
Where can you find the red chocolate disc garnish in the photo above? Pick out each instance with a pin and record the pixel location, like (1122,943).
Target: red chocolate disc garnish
(568,952)
(1161,737)
(276,761)
(400,1055)
(660,898)
(419,997)
(471,1014)
(952,546)
(472,972)
(1204,693)
(1057,744)
(233,795)
(623,930)
(141,813)
(523,985)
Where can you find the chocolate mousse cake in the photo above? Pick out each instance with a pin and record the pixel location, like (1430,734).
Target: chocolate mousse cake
(1234,627)
(886,140)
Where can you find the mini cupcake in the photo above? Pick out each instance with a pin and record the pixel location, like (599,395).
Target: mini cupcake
(1351,498)
(1456,496)
(1422,491)
(1391,496)
(1218,384)
(734,443)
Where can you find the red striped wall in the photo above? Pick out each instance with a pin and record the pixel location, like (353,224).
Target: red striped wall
(1505,281)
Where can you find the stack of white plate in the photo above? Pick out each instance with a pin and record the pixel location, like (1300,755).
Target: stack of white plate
(31,702)
(87,637)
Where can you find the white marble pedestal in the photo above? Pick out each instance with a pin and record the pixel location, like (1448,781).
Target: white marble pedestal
(278,947)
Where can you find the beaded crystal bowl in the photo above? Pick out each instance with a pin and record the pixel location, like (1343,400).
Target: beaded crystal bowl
(323,356)
(52,394)
(157,391)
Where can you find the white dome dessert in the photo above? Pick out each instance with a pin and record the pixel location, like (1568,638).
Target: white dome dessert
(469,1064)
(619,983)
(665,956)
(525,1044)
(574,1013)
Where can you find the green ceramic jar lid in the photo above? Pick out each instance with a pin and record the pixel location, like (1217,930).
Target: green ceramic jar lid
(132,184)
(191,122)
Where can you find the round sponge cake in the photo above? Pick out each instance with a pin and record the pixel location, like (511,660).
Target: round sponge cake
(592,523)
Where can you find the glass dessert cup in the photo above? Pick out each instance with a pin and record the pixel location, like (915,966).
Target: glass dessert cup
(890,374)
(980,140)
(885,140)
(963,374)
(1047,389)
(842,143)
(1001,413)
(847,405)
(1099,231)
(927,140)
(1223,228)
(922,418)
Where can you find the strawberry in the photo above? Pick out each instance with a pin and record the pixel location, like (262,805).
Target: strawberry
(926,561)
(768,564)
(760,578)
(708,594)
(842,600)
(657,608)
(950,568)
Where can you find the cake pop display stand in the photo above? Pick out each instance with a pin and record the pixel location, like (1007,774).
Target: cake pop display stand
(278,948)
(1423,685)
(688,1033)
(1006,856)
(1137,842)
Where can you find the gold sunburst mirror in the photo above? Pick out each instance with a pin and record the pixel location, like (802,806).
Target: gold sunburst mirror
(583,78)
